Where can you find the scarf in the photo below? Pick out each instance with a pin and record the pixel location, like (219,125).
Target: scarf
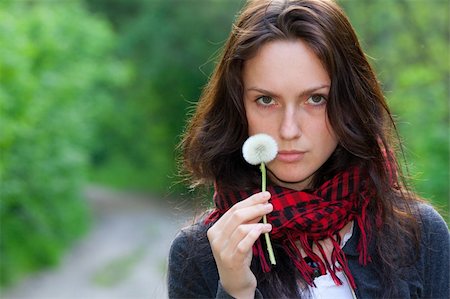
(305,218)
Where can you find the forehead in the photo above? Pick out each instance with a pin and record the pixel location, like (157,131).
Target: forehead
(282,62)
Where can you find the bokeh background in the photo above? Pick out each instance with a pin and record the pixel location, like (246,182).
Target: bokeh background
(94,95)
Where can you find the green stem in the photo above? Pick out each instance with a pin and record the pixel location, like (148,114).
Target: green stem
(266,235)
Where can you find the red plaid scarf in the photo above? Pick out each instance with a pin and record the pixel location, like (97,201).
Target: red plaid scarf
(310,217)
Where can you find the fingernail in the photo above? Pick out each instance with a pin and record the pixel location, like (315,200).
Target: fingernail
(268,207)
(266,195)
(268,227)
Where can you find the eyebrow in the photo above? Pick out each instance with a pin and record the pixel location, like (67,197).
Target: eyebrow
(302,94)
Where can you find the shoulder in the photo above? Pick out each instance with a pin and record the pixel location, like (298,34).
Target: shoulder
(433,230)
(192,272)
(434,252)
(191,247)
(434,234)
(191,237)
(431,222)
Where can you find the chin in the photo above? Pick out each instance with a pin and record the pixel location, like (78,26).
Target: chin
(294,175)
(294,182)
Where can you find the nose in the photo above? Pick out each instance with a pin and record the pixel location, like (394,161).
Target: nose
(290,125)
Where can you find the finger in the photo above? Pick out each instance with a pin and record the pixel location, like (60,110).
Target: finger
(239,223)
(257,198)
(260,197)
(246,232)
(249,210)
(243,250)
(226,254)
(246,215)
(239,247)
(217,239)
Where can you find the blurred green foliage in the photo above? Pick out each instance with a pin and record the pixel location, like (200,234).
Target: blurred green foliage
(56,65)
(409,46)
(169,43)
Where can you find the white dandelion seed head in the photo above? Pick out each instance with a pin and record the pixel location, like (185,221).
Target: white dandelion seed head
(259,148)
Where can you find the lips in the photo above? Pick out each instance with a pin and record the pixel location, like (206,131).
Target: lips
(290,156)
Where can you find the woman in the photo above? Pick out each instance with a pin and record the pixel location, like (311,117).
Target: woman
(341,220)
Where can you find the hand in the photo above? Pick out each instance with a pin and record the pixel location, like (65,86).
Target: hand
(232,238)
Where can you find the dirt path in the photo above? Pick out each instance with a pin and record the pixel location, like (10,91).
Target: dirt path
(123,256)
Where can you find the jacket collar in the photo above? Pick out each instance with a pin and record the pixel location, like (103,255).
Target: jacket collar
(351,247)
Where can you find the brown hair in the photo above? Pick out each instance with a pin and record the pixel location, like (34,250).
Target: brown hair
(356,109)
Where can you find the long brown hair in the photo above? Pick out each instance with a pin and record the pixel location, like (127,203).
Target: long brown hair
(356,109)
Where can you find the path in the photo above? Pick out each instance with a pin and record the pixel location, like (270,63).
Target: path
(123,256)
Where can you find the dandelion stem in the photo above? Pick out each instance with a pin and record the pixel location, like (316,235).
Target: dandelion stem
(266,235)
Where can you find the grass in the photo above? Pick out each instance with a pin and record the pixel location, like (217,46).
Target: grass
(119,269)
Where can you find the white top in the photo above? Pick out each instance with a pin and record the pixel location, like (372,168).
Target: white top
(325,286)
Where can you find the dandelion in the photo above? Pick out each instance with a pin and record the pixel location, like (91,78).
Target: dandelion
(261,149)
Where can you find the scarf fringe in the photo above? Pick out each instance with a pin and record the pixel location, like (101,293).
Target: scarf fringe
(259,252)
(338,260)
(306,271)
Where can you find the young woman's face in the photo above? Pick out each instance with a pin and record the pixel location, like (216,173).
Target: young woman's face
(285,94)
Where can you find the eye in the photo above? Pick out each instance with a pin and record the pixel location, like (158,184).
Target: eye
(265,101)
(316,100)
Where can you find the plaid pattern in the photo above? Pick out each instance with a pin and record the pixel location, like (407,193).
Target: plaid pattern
(305,218)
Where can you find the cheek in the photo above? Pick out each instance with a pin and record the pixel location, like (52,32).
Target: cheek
(256,123)
(251,123)
(331,137)
(329,129)
(248,119)
(330,142)
(257,127)
(324,136)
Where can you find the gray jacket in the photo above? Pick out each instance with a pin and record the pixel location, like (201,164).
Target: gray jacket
(193,273)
